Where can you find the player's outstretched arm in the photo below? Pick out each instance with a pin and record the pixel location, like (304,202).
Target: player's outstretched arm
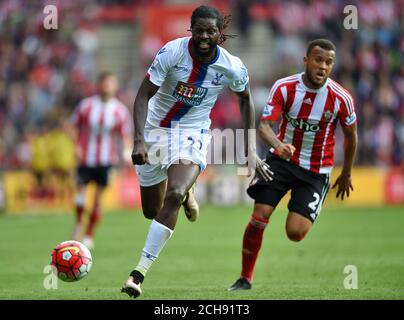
(268,135)
(248,115)
(146,91)
(247,111)
(344,181)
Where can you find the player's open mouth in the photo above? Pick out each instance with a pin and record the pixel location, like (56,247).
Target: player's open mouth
(204,46)
(320,76)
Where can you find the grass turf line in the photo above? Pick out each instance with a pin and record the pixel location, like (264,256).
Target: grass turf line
(202,259)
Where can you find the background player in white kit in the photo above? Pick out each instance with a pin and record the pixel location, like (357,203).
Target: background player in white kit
(99,122)
(302,154)
(171,115)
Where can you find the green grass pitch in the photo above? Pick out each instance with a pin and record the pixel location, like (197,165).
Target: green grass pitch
(203,258)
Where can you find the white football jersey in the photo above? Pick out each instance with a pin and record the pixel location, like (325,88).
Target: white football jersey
(188,88)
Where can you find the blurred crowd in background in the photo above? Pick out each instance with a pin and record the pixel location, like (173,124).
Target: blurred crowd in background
(43,74)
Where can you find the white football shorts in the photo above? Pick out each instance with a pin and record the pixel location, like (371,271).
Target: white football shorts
(166,147)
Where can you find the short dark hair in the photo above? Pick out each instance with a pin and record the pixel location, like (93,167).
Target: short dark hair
(208,12)
(322,43)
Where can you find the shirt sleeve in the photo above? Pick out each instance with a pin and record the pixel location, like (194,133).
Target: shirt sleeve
(274,105)
(160,66)
(346,113)
(240,77)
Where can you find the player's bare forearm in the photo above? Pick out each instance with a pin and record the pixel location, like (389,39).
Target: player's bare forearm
(248,117)
(139,117)
(146,91)
(267,134)
(344,181)
(350,144)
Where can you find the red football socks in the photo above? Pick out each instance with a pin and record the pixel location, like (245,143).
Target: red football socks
(79,213)
(93,221)
(252,241)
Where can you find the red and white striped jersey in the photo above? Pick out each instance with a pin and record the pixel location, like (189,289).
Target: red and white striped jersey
(309,119)
(99,125)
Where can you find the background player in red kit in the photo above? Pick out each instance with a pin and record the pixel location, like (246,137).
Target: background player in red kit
(100,120)
(302,154)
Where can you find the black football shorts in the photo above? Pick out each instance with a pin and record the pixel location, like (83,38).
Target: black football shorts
(308,189)
(97,174)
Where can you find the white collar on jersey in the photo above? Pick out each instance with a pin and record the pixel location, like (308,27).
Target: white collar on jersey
(312,90)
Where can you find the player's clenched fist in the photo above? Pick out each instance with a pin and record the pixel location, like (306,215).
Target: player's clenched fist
(139,154)
(285,151)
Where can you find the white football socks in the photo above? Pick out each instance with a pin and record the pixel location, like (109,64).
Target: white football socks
(155,241)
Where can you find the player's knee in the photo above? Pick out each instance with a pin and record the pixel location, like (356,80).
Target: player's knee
(175,196)
(262,212)
(295,235)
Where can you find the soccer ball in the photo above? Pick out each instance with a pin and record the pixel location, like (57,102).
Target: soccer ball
(72,260)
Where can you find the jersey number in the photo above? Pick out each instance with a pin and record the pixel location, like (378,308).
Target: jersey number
(313,205)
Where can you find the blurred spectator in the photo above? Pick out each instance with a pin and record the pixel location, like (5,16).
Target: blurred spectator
(369,63)
(62,159)
(41,69)
(243,17)
(40,161)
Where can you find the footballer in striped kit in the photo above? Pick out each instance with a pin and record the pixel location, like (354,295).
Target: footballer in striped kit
(310,105)
(100,121)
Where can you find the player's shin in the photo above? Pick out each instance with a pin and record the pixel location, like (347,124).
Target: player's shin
(252,242)
(95,218)
(155,241)
(79,202)
(79,210)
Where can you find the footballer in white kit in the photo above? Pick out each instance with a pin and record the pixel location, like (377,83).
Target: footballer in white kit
(171,121)
(178,114)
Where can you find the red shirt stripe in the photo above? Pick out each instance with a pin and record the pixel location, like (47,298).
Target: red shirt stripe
(321,135)
(304,114)
(309,119)
(99,124)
